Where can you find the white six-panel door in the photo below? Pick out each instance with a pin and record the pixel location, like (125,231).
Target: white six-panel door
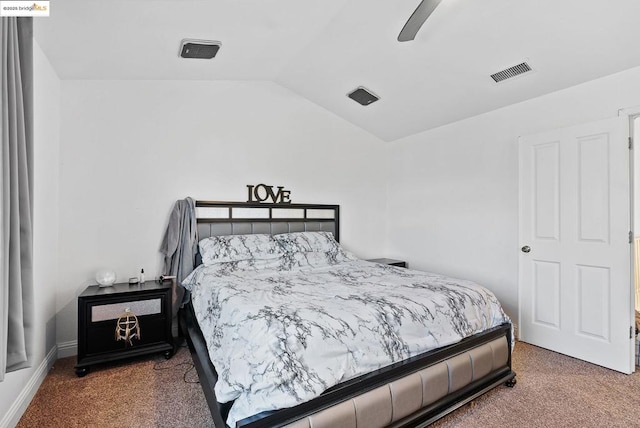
(575,284)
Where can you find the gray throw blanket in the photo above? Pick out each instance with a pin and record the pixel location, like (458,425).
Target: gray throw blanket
(180,246)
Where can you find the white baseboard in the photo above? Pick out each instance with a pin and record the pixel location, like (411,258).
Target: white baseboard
(68,349)
(12,417)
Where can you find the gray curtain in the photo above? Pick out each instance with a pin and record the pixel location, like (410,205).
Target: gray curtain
(16,173)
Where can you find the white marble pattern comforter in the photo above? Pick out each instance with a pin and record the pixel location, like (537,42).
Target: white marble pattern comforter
(281,335)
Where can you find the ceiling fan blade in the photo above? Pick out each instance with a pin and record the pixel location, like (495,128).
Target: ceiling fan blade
(419,16)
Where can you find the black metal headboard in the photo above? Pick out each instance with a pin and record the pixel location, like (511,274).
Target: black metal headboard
(242,218)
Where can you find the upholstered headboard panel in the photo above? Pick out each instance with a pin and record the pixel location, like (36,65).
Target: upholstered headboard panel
(242,218)
(206,230)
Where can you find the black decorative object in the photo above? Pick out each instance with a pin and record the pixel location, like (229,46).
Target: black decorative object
(263,192)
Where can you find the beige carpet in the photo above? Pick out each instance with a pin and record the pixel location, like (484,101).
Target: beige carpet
(552,391)
(150,392)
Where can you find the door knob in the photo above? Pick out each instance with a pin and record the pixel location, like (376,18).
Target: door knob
(526,249)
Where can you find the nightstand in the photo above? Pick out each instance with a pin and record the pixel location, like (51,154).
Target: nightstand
(100,308)
(392,262)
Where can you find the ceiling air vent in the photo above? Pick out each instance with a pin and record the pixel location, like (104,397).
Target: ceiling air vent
(202,49)
(510,72)
(363,96)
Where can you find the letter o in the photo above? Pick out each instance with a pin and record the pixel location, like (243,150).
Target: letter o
(256,192)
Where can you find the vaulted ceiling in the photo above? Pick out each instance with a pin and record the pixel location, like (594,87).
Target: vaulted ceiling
(323,49)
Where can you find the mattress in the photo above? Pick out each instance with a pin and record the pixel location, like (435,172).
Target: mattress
(281,333)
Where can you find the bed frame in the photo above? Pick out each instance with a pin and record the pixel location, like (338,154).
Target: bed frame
(411,393)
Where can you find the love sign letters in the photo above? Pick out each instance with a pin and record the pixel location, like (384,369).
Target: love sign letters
(263,192)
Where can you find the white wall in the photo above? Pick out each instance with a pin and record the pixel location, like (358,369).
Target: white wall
(130,149)
(17,388)
(453,191)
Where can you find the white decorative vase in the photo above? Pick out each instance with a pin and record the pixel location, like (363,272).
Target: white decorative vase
(105,277)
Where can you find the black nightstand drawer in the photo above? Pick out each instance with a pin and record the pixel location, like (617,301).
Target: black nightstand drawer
(100,308)
(101,335)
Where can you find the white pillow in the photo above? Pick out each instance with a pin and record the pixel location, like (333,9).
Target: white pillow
(306,242)
(233,248)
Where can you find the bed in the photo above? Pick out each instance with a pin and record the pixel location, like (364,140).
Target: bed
(390,376)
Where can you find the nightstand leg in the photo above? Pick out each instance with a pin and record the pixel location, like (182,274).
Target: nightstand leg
(82,371)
